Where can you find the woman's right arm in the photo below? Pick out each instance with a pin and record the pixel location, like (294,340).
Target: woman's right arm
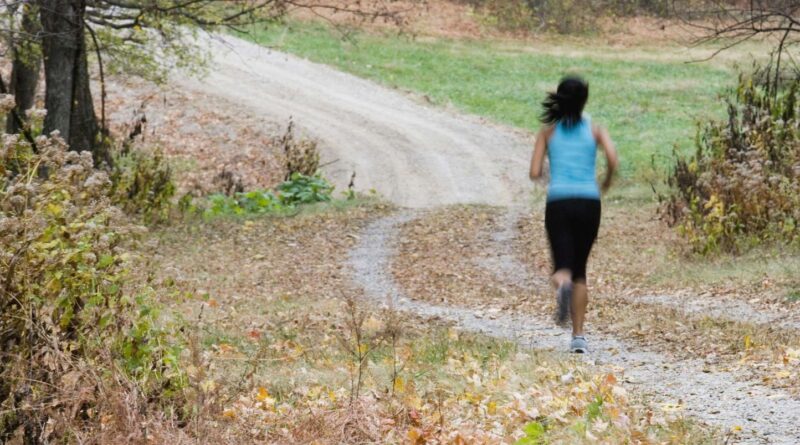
(604,140)
(539,150)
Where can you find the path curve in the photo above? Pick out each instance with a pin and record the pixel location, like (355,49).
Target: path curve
(412,154)
(767,416)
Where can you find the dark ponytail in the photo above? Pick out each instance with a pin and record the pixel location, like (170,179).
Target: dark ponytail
(566,104)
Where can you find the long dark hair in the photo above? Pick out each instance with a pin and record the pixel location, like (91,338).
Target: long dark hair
(566,104)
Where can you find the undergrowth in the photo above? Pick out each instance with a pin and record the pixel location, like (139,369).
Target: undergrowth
(81,351)
(741,187)
(298,190)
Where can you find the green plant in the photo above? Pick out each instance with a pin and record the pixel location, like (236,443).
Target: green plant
(255,202)
(535,434)
(303,189)
(741,187)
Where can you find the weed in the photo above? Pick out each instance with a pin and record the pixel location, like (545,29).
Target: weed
(360,338)
(141,184)
(301,155)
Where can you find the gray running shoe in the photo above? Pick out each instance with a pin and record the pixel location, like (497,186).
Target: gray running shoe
(564,303)
(578,345)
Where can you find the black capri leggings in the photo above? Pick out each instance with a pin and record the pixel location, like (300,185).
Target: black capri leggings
(572,226)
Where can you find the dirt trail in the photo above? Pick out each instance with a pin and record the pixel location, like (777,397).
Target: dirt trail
(412,154)
(718,398)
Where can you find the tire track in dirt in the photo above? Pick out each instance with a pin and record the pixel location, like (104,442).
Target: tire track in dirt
(718,398)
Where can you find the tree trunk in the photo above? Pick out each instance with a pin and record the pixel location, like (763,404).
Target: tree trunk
(24,69)
(68,97)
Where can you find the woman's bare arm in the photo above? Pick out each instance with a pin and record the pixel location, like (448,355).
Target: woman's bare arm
(539,150)
(604,140)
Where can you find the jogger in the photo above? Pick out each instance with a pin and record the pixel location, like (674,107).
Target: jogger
(572,214)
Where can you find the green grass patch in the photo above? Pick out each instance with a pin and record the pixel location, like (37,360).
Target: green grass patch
(647,105)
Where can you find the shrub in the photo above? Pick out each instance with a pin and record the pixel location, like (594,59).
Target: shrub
(301,155)
(67,325)
(298,190)
(142,185)
(302,189)
(742,184)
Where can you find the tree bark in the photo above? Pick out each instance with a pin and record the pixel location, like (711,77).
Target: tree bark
(24,68)
(68,96)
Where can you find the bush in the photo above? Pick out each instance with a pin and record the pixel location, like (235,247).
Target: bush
(67,324)
(298,190)
(741,187)
(301,155)
(142,185)
(302,189)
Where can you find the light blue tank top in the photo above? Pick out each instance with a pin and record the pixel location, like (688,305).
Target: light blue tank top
(573,154)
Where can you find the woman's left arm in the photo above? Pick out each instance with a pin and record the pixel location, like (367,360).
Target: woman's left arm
(539,149)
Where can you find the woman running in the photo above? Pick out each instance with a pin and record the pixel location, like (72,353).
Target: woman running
(572,213)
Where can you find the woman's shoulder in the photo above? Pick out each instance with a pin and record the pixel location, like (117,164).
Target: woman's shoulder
(547,130)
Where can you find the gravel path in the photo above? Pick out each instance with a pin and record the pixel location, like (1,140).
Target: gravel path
(767,416)
(412,154)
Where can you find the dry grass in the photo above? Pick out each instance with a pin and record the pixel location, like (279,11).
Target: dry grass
(272,357)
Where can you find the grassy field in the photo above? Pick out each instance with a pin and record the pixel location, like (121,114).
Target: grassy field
(649,105)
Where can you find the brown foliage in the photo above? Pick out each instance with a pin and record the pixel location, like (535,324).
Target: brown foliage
(741,187)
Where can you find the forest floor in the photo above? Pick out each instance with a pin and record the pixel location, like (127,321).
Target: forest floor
(430,322)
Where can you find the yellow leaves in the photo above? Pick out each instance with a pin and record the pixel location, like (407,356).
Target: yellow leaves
(748,342)
(474,399)
(491,408)
(415,436)
(229,414)
(263,394)
(55,210)
(399,385)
